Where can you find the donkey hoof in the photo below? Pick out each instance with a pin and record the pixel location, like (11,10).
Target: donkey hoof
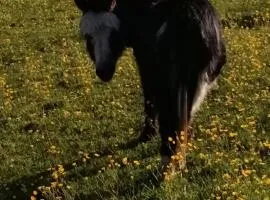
(172,166)
(147,133)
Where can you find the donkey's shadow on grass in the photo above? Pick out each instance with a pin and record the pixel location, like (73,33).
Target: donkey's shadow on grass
(23,187)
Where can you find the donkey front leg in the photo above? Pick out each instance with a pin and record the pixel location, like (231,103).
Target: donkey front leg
(147,75)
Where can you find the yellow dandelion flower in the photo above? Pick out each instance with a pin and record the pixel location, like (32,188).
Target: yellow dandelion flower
(266,181)
(86,155)
(66,113)
(33,198)
(78,113)
(236,170)
(53,184)
(136,162)
(182,138)
(202,156)
(96,155)
(232,135)
(55,175)
(112,161)
(125,161)
(244,126)
(252,123)
(61,169)
(267,145)
(246,172)
(234,193)
(40,188)
(214,129)
(60,185)
(173,157)
(264,176)
(226,176)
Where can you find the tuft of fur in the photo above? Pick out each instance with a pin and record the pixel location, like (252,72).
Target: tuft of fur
(92,22)
(204,87)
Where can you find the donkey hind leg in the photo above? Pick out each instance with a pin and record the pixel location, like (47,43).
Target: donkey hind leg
(175,115)
(190,96)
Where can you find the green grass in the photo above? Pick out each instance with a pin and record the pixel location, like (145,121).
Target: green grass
(55,111)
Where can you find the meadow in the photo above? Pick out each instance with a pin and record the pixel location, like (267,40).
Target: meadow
(66,135)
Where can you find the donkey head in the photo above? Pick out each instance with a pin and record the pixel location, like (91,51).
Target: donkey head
(101,29)
(104,42)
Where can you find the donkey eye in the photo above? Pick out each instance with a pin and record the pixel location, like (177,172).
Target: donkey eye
(90,39)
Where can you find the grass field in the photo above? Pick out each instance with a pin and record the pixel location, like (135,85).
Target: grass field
(66,135)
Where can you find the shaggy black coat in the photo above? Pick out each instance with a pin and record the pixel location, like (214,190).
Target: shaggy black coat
(179,49)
